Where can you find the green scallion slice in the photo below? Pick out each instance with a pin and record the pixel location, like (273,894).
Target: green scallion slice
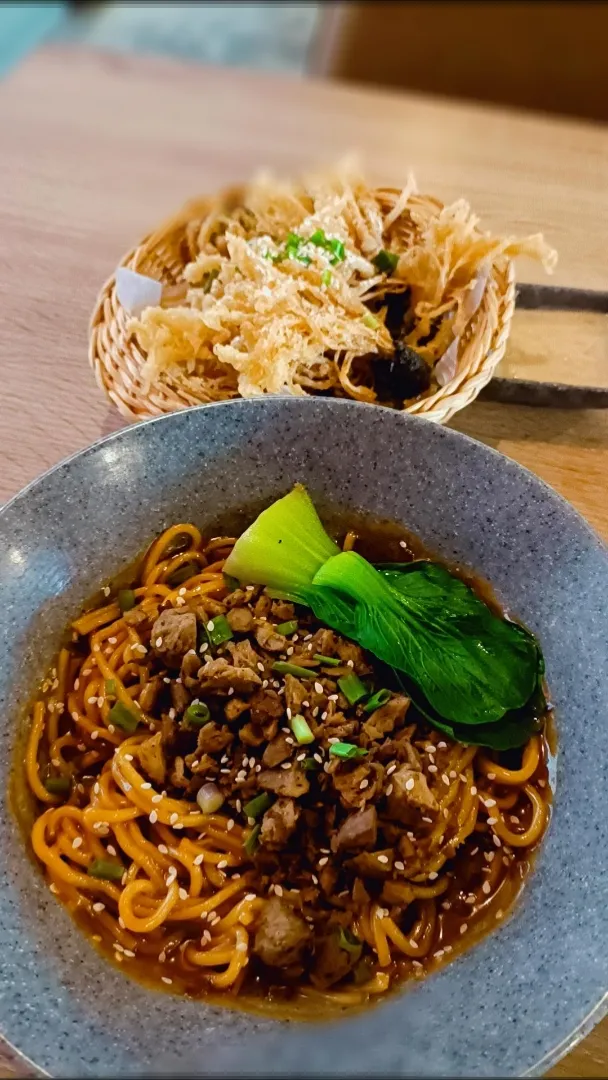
(376,700)
(326,278)
(338,251)
(348,942)
(104,868)
(287,628)
(352,688)
(57,785)
(126,599)
(301,730)
(110,685)
(328,661)
(251,842)
(370,321)
(231,582)
(309,764)
(218,630)
(346,750)
(257,806)
(197,714)
(282,667)
(385,261)
(122,717)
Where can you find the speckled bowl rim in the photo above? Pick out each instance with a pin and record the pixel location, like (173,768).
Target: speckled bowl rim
(570,518)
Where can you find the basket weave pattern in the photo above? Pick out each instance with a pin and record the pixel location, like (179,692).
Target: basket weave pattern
(117,359)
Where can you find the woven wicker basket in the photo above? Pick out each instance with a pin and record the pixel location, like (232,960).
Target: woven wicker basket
(117,359)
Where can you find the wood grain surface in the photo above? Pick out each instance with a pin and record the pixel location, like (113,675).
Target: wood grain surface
(96,150)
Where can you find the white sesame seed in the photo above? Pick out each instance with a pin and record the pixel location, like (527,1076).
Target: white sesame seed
(409,784)
(164,850)
(111,850)
(289,651)
(464,928)
(402,544)
(318,758)
(390,770)
(496,840)
(106,590)
(323,861)
(382,858)
(222,863)
(162,956)
(332,697)
(183,894)
(473,790)
(433,875)
(146,786)
(445,779)
(486,887)
(452,775)
(118,947)
(278,889)
(363,785)
(350,663)
(211,625)
(314,879)
(174,817)
(166,980)
(491,776)
(428,820)
(432,768)
(446,905)
(389,790)
(490,802)
(413,943)
(153,817)
(53,888)
(286,765)
(323,716)
(94,735)
(499,914)
(99,906)
(182,591)
(492,820)
(399,866)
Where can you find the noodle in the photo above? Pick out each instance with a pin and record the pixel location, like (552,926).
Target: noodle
(183,898)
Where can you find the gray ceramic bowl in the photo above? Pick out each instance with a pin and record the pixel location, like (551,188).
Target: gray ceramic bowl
(514,1003)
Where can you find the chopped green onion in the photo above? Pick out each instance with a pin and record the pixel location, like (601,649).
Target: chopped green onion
(57,785)
(287,628)
(126,599)
(301,730)
(347,750)
(110,687)
(352,688)
(231,582)
(309,764)
(255,807)
(123,718)
(197,714)
(329,661)
(183,572)
(348,942)
(318,238)
(252,840)
(376,700)
(326,278)
(209,798)
(338,251)
(218,630)
(371,321)
(104,868)
(284,668)
(385,261)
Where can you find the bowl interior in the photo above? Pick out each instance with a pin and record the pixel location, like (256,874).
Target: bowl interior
(513,1002)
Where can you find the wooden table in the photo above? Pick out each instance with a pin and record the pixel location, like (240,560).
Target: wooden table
(96,150)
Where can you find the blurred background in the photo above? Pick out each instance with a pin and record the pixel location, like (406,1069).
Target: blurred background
(547,56)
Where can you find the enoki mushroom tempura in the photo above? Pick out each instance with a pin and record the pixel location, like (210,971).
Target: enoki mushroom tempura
(206,843)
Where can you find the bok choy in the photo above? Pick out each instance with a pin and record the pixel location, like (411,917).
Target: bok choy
(475,675)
